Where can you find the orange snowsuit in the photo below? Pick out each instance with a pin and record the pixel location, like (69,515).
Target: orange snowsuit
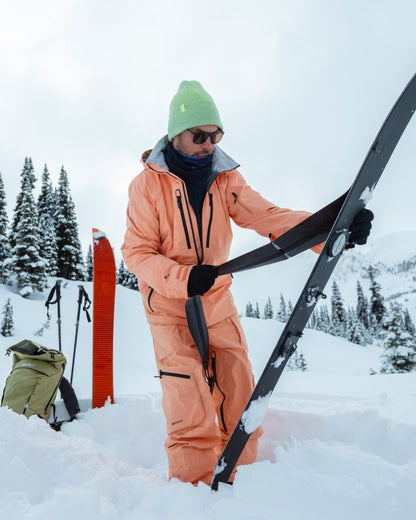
(163,241)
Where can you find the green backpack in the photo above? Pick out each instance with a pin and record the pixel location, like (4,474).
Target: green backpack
(33,383)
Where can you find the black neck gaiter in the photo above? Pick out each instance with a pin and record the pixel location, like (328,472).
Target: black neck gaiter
(194,171)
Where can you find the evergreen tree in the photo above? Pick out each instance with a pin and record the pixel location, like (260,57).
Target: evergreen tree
(70,262)
(46,199)
(47,244)
(377,308)
(399,346)
(257,311)
(268,310)
(338,314)
(27,183)
(125,278)
(355,331)
(7,325)
(408,323)
(324,318)
(89,265)
(297,362)
(122,274)
(4,234)
(281,314)
(249,310)
(27,268)
(46,212)
(362,307)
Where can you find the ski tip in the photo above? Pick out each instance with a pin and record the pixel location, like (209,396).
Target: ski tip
(97,234)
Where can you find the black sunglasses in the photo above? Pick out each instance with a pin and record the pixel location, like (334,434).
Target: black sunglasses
(199,136)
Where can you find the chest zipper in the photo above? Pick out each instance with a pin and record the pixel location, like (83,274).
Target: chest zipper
(185,227)
(211,214)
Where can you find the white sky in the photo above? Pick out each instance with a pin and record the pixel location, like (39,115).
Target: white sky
(302,88)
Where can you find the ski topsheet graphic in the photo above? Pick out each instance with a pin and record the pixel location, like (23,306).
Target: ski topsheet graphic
(104,290)
(357,198)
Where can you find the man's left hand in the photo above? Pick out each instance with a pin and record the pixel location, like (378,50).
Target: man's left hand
(360,228)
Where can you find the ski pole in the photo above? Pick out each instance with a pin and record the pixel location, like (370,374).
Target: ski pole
(82,294)
(56,289)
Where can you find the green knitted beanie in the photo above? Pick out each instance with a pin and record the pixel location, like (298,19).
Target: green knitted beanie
(191,106)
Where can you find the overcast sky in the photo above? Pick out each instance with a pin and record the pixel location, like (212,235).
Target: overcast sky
(302,88)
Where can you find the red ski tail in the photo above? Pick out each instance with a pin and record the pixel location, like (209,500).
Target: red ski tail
(104,283)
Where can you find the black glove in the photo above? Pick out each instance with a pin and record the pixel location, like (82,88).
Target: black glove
(360,228)
(201,279)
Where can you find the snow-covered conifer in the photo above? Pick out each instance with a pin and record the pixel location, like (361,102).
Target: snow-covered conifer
(408,323)
(355,331)
(70,261)
(7,325)
(4,234)
(362,307)
(281,314)
(125,278)
(268,310)
(89,265)
(257,311)
(338,313)
(297,362)
(324,318)
(47,244)
(249,310)
(46,199)
(26,266)
(46,215)
(27,182)
(122,274)
(399,346)
(377,307)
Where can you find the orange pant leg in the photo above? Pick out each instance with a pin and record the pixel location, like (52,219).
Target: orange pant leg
(199,423)
(193,435)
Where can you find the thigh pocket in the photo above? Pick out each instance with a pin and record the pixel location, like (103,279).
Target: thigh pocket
(181,401)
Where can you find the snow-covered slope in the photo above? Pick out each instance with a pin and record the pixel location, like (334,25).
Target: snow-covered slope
(393,256)
(338,443)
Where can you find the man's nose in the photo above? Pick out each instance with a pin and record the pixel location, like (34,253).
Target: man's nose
(207,143)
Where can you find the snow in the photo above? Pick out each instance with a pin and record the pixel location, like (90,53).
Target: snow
(253,416)
(338,442)
(367,194)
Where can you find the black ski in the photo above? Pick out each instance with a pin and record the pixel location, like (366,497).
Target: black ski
(358,196)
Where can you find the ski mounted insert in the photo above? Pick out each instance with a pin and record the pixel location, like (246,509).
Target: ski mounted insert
(356,199)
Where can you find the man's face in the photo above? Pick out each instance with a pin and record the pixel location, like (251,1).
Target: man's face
(184,142)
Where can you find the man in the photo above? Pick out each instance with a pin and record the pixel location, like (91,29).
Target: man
(178,230)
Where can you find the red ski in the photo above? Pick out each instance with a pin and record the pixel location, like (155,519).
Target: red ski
(104,291)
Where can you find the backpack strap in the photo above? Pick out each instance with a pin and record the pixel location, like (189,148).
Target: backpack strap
(71,404)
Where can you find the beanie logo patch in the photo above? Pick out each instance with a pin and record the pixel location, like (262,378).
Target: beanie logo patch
(182,108)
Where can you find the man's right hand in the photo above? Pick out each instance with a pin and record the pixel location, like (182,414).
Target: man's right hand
(201,279)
